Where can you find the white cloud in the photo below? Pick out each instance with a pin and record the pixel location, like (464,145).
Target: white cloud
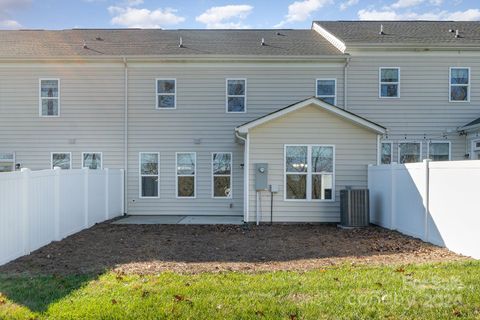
(345,5)
(9,24)
(406,3)
(220,17)
(144,18)
(401,4)
(6,6)
(301,10)
(467,15)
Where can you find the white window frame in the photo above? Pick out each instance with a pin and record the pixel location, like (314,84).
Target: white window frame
(440,141)
(309,173)
(380,83)
(186,175)
(409,141)
(334,96)
(235,96)
(9,161)
(459,85)
(148,175)
(473,148)
(101,159)
(380,151)
(157,94)
(40,98)
(51,159)
(230,196)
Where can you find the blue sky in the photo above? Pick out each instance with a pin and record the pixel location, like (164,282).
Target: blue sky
(171,14)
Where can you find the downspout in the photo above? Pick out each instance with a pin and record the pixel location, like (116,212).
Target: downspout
(245,174)
(345,83)
(125,134)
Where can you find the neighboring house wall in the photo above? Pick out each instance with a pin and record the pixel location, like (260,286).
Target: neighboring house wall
(200,113)
(91,112)
(423,109)
(355,148)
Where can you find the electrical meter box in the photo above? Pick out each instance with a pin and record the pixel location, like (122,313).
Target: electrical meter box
(261,176)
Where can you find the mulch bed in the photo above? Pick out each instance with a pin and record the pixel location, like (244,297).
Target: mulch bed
(191,248)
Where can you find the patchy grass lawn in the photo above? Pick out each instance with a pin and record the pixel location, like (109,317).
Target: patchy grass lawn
(431,291)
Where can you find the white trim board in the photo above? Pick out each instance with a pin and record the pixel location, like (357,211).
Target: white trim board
(318,103)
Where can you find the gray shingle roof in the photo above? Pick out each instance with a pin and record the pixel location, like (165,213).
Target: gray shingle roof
(471,124)
(435,33)
(148,42)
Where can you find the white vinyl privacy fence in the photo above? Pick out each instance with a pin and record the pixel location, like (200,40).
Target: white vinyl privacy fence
(38,207)
(437,202)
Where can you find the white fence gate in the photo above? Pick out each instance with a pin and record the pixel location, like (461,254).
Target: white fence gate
(437,202)
(38,207)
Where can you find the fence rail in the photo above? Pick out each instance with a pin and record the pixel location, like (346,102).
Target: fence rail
(38,207)
(434,201)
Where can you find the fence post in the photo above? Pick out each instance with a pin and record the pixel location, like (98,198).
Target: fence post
(107,193)
(56,202)
(393,197)
(426,196)
(25,210)
(85,195)
(123,191)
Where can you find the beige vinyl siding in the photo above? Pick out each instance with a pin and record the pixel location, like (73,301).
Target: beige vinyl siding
(91,113)
(201,114)
(355,149)
(423,109)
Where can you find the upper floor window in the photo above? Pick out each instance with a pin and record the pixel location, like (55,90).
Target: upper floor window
(186,173)
(409,152)
(7,161)
(389,85)
(62,160)
(309,172)
(49,97)
(459,84)
(92,160)
(386,153)
(327,90)
(439,150)
(166,93)
(236,95)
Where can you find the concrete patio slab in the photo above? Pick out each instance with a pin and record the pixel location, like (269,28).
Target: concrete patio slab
(149,220)
(236,220)
(232,220)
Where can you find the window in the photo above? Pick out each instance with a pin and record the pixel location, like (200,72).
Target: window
(62,160)
(7,161)
(166,93)
(409,152)
(222,174)
(186,170)
(92,160)
(309,172)
(49,97)
(236,95)
(439,150)
(327,90)
(386,153)
(149,174)
(389,83)
(459,84)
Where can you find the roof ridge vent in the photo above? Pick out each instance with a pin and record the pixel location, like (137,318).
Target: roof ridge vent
(381,30)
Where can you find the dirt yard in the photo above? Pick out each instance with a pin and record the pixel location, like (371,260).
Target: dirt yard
(189,248)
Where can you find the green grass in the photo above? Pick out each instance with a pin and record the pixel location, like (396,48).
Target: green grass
(435,291)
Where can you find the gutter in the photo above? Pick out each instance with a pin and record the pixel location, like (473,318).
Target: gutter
(345,82)
(246,183)
(125,133)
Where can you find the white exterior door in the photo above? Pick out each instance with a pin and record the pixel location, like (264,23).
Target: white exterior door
(475,150)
